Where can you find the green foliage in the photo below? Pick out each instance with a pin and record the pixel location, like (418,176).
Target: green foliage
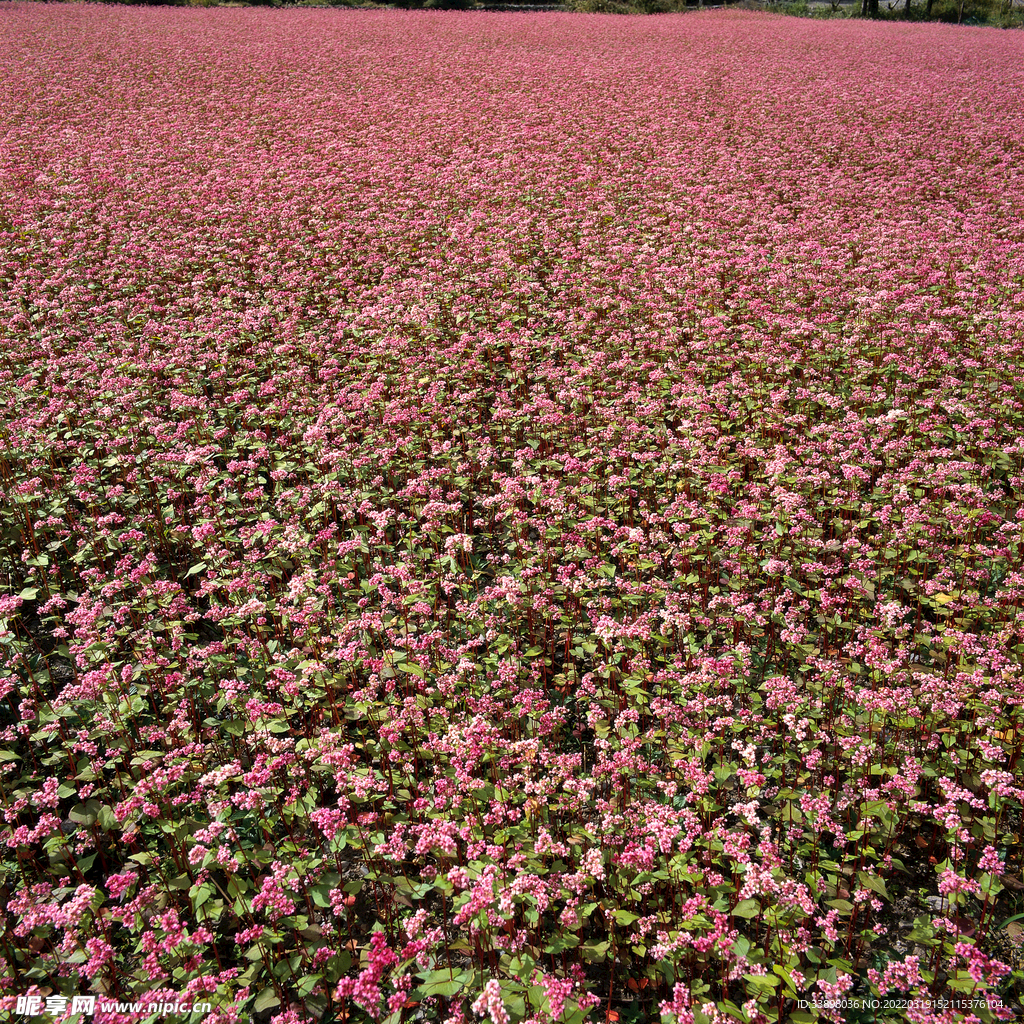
(620,7)
(600,7)
(995,13)
(998,13)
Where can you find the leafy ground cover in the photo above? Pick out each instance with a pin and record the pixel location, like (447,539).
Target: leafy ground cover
(511,518)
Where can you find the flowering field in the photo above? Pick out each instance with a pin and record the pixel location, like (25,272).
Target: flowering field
(510,517)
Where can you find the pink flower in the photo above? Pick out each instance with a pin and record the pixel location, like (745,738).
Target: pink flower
(489,1002)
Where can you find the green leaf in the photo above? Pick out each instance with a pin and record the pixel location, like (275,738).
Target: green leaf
(411,889)
(200,895)
(107,818)
(85,814)
(843,906)
(966,984)
(307,984)
(443,983)
(785,976)
(746,908)
(266,999)
(762,980)
(872,882)
(320,895)
(576,1016)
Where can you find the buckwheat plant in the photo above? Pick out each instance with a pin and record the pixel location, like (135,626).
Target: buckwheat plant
(511,517)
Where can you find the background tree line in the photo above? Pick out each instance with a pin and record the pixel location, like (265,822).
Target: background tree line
(1000,13)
